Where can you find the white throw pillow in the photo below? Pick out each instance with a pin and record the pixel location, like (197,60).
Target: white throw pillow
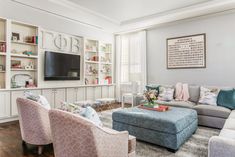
(208,96)
(37,98)
(166,93)
(71,107)
(31,96)
(43,101)
(92,115)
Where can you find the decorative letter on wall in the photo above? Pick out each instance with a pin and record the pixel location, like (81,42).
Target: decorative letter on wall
(55,41)
(186,52)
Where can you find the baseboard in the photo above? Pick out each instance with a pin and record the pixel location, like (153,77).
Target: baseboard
(7,120)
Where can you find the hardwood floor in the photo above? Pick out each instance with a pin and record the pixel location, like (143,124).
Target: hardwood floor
(11,142)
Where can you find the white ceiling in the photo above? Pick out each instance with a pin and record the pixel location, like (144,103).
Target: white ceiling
(126,10)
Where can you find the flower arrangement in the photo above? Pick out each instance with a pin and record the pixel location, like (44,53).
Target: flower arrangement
(150,96)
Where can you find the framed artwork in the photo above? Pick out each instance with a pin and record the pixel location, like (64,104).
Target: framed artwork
(2,68)
(186,52)
(15,36)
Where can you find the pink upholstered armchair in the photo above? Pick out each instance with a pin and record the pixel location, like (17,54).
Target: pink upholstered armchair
(75,136)
(34,123)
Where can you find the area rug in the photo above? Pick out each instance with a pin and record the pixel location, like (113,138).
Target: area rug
(196,146)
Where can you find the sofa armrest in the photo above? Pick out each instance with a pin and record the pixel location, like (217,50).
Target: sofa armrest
(220,146)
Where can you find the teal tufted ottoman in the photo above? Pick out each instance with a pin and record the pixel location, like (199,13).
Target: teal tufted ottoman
(168,129)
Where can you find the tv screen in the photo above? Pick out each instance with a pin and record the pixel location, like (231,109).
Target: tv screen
(60,66)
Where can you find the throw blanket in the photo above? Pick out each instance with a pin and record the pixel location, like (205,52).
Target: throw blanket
(181,92)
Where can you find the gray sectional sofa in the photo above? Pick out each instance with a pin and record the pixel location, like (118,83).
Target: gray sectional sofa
(224,144)
(211,116)
(208,115)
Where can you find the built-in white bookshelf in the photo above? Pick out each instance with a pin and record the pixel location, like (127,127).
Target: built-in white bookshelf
(98,59)
(24,55)
(19,57)
(3,53)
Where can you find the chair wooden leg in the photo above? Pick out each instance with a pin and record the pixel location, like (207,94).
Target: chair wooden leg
(40,148)
(23,143)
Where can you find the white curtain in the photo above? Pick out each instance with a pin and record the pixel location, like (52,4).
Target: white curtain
(131,59)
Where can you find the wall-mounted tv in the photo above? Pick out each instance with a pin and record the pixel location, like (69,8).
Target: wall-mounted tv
(60,66)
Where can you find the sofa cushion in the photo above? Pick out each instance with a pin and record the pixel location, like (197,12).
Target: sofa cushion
(177,103)
(229,124)
(226,98)
(214,111)
(194,93)
(227,133)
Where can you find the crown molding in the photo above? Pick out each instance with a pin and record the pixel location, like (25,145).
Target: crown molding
(70,13)
(161,13)
(192,12)
(72,5)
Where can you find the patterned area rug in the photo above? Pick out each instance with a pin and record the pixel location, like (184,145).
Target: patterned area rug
(196,146)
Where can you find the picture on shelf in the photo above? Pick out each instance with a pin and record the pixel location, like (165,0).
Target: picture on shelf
(16,64)
(15,36)
(2,67)
(2,47)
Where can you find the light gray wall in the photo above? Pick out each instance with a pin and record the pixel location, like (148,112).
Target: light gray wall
(220,54)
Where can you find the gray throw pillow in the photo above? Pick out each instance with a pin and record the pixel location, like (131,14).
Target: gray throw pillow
(194,93)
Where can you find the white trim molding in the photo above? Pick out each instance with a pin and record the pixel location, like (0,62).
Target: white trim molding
(202,9)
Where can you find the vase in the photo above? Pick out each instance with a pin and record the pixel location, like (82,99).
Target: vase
(151,103)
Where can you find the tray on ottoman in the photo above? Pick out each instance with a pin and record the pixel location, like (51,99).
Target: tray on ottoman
(168,129)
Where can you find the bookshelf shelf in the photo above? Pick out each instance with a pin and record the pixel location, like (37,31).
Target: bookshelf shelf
(92,62)
(24,56)
(15,69)
(23,43)
(3,54)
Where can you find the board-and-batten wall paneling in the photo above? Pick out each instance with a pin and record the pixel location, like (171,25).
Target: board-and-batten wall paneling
(4,104)
(17,94)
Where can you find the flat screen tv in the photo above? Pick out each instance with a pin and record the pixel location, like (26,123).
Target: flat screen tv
(60,66)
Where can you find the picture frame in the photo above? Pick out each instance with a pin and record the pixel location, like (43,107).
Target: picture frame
(15,36)
(186,52)
(2,68)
